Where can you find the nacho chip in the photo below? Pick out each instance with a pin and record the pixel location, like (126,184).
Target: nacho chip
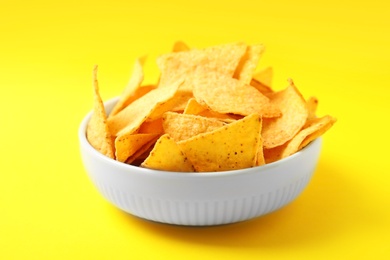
(264,76)
(248,63)
(141,153)
(130,118)
(126,145)
(273,154)
(223,59)
(98,133)
(183,126)
(260,160)
(151,127)
(277,131)
(193,107)
(181,99)
(224,94)
(167,156)
(180,46)
(312,104)
(233,146)
(317,128)
(128,94)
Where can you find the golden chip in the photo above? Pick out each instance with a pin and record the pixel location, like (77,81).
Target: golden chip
(98,133)
(128,144)
(277,131)
(233,146)
(180,46)
(128,94)
(194,108)
(314,128)
(312,104)
(167,156)
(318,127)
(183,126)
(130,118)
(141,152)
(151,127)
(224,94)
(264,76)
(223,59)
(248,63)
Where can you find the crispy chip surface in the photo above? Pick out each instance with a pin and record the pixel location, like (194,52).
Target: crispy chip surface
(248,63)
(183,126)
(154,102)
(277,131)
(233,146)
(224,94)
(129,93)
(223,59)
(167,156)
(98,133)
(128,144)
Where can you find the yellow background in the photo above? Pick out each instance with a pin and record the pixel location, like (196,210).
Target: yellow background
(336,50)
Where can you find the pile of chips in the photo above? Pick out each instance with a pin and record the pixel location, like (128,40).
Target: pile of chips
(211,110)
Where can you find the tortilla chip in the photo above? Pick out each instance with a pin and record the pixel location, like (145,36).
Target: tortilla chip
(151,127)
(167,156)
(139,155)
(180,46)
(98,133)
(233,146)
(277,131)
(248,63)
(223,59)
(128,94)
(130,118)
(224,94)
(312,104)
(126,145)
(183,126)
(264,76)
(319,127)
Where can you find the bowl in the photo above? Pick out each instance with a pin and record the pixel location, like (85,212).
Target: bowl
(198,199)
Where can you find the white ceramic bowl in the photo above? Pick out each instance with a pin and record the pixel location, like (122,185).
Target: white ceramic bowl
(198,199)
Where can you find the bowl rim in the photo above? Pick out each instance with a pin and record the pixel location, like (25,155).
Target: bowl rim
(134,169)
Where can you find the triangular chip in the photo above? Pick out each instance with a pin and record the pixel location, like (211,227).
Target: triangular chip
(277,131)
(98,133)
(264,76)
(314,128)
(223,59)
(126,145)
(128,93)
(260,160)
(139,156)
(180,46)
(183,126)
(168,156)
(151,127)
(224,94)
(312,104)
(129,119)
(194,108)
(248,63)
(233,146)
(318,128)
